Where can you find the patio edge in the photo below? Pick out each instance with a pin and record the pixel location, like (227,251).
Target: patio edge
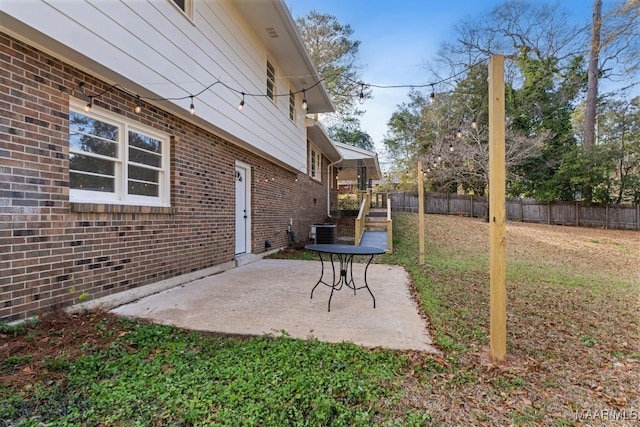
(111,301)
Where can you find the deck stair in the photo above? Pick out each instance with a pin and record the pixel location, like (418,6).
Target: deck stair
(376,220)
(373,227)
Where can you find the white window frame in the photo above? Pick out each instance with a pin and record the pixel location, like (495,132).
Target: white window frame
(293,111)
(188,8)
(271,81)
(315,163)
(121,195)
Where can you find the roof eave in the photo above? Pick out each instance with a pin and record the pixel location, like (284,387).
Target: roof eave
(275,15)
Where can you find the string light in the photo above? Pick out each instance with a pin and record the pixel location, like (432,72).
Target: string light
(138,108)
(361,94)
(474,123)
(91,97)
(451,148)
(459,133)
(241,104)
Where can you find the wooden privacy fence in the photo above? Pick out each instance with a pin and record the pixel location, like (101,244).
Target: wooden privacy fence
(626,217)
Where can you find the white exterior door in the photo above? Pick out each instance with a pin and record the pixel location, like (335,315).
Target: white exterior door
(243,220)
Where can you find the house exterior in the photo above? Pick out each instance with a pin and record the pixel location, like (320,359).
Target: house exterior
(108,182)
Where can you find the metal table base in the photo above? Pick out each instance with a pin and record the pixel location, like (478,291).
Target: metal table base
(344,276)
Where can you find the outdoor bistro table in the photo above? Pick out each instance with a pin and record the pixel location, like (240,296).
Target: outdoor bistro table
(344,254)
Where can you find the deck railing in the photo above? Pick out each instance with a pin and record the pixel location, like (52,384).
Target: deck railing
(362,216)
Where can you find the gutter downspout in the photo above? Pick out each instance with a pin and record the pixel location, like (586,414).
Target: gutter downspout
(329,181)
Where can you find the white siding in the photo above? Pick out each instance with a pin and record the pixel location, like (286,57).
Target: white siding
(151,43)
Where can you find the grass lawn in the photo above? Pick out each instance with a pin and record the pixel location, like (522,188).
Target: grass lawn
(573,351)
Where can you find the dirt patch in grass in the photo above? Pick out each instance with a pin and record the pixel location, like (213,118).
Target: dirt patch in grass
(31,353)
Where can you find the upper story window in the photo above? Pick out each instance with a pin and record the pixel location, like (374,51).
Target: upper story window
(292,105)
(113,160)
(315,164)
(271,81)
(186,6)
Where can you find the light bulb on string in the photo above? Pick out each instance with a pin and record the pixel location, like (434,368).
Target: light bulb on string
(432,97)
(361,95)
(241,104)
(439,157)
(192,108)
(474,123)
(459,133)
(451,148)
(138,108)
(89,104)
(304,100)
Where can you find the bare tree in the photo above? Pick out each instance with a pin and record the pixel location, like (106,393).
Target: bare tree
(620,43)
(514,28)
(468,164)
(614,53)
(592,84)
(589,134)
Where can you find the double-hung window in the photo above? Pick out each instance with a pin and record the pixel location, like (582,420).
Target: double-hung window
(315,164)
(114,160)
(271,81)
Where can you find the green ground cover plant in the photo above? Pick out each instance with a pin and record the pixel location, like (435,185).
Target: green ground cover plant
(573,352)
(148,374)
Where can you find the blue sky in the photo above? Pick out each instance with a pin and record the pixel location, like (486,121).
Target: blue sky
(399,36)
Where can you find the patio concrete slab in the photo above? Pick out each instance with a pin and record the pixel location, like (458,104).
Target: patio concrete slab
(273,297)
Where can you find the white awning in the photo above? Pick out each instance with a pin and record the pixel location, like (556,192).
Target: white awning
(353,158)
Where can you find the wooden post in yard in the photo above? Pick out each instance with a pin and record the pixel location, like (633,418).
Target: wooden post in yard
(497,211)
(421,212)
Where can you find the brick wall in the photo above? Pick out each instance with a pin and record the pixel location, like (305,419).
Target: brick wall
(56,253)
